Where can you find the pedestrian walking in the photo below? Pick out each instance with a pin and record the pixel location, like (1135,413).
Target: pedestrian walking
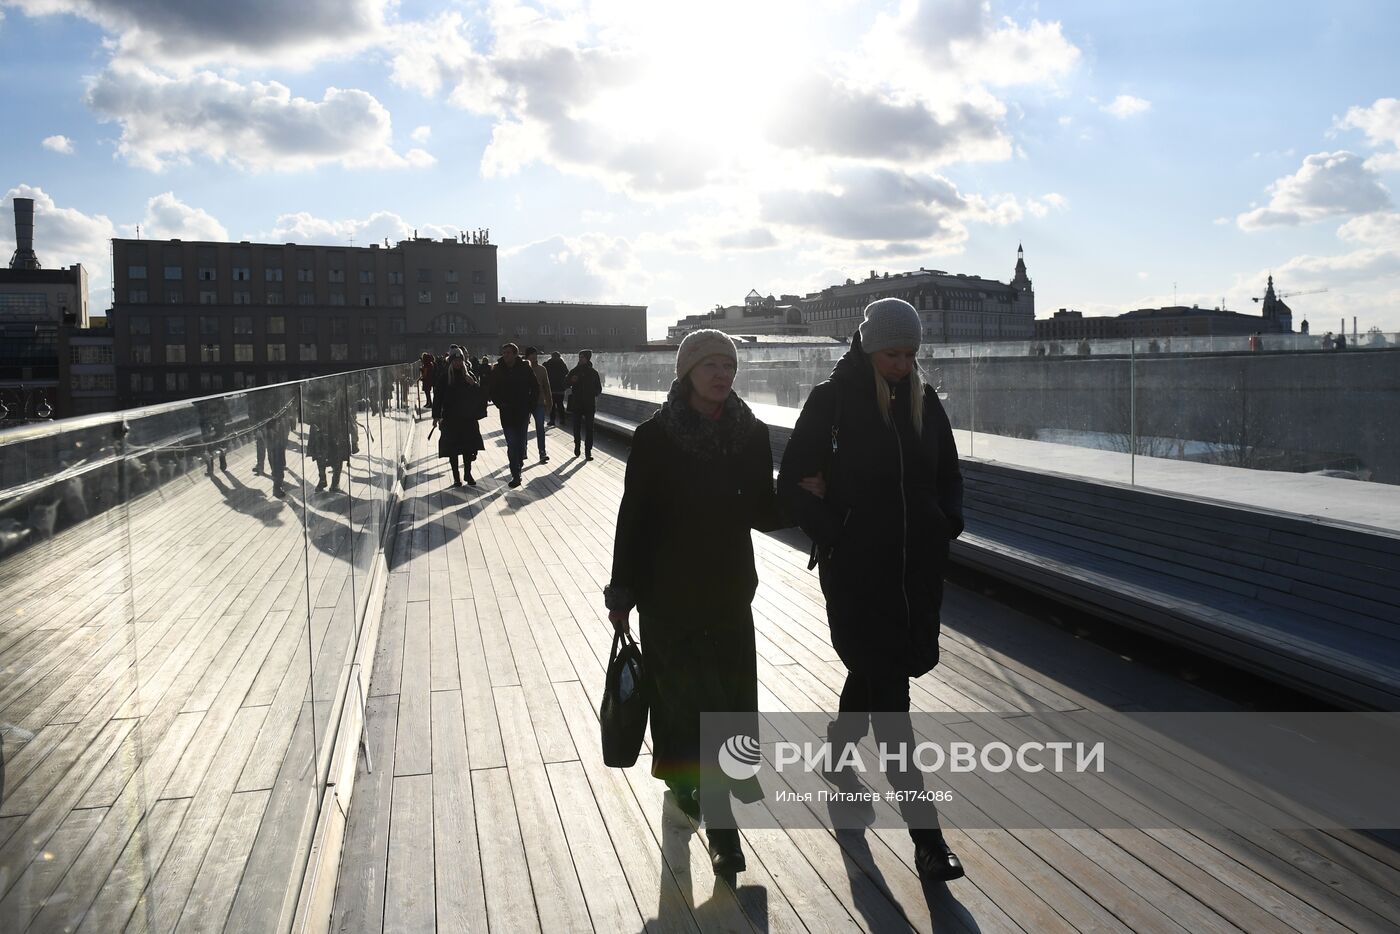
(459,404)
(425,376)
(512,386)
(558,386)
(888,502)
(542,402)
(699,477)
(213,430)
(273,413)
(585,387)
(334,435)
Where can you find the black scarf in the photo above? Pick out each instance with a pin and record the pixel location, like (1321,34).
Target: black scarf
(705,438)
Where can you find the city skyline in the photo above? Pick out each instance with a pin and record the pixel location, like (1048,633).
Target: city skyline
(677,158)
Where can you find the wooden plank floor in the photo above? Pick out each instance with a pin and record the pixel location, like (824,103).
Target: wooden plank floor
(489,806)
(156,703)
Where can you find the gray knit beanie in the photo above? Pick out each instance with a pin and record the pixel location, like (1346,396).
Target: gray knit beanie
(697,345)
(889,322)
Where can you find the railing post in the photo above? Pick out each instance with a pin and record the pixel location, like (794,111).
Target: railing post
(1132,411)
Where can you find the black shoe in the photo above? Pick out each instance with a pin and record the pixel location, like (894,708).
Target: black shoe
(321,486)
(471,481)
(588,456)
(726,854)
(544,458)
(514,482)
(257,471)
(687,799)
(278,491)
(576,451)
(934,861)
(335,487)
(456,482)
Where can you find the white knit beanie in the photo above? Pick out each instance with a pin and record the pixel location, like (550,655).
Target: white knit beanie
(697,345)
(890,322)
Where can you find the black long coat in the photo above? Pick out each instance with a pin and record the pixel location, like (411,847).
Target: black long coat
(458,404)
(514,390)
(893,503)
(683,556)
(587,387)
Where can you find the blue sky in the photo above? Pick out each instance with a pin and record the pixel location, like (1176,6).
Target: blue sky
(678,155)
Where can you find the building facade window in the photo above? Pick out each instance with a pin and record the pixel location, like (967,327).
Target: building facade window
(335,275)
(306,352)
(369,352)
(340,351)
(211,382)
(425,275)
(174,272)
(306,298)
(175,327)
(136,272)
(242,274)
(366,276)
(273,298)
(307,327)
(449,324)
(398,325)
(174,296)
(208,326)
(177,382)
(272,274)
(337,298)
(478,277)
(425,296)
(243,324)
(141,353)
(450,275)
(451,297)
(398,351)
(208,353)
(395,277)
(277,324)
(208,274)
(174,353)
(340,328)
(242,353)
(306,275)
(369,326)
(396,301)
(366,301)
(139,326)
(479,298)
(136,296)
(208,297)
(243,298)
(276,353)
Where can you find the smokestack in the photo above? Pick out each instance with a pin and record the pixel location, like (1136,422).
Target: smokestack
(24,257)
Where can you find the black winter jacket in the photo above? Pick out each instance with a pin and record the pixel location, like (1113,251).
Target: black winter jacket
(587,387)
(458,404)
(558,372)
(682,545)
(514,390)
(893,503)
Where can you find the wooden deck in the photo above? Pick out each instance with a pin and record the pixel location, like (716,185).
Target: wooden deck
(160,724)
(489,806)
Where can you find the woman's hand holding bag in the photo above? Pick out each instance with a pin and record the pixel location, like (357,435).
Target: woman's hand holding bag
(622,715)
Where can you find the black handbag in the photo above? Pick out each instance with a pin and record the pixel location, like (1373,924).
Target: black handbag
(623,713)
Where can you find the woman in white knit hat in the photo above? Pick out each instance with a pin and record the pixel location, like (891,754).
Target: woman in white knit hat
(699,477)
(880,524)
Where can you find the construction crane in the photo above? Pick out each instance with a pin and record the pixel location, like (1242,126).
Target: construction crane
(1283,295)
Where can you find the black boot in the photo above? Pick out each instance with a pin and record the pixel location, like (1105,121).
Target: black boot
(933,859)
(726,853)
(456,475)
(687,798)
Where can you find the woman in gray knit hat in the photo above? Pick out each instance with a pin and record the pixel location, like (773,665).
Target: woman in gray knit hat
(699,478)
(880,523)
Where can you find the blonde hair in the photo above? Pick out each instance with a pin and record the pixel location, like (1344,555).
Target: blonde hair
(883,392)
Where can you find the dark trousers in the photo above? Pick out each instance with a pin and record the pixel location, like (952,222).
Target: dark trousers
(274,448)
(466,462)
(557,412)
(583,428)
(887,697)
(541,413)
(517,440)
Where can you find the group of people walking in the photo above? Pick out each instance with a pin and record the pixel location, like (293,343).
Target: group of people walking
(870,473)
(459,389)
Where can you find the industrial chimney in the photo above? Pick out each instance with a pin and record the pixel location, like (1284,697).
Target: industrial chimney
(24,257)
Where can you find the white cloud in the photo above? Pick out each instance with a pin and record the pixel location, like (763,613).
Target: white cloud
(1050,201)
(63,236)
(421,134)
(1378,229)
(1126,105)
(185,33)
(59,144)
(589,267)
(875,205)
(256,126)
(1381,124)
(302,227)
(169,218)
(1327,185)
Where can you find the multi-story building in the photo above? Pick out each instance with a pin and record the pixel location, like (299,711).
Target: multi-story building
(954,308)
(36,304)
(87,371)
(199,317)
(758,315)
(571,326)
(1169,321)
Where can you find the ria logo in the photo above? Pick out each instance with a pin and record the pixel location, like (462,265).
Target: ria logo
(739,757)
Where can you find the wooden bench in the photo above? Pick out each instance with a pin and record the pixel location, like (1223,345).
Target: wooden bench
(1308,603)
